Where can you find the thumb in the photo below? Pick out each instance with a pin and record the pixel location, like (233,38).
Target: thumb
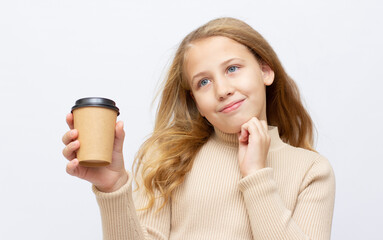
(243,135)
(119,137)
(71,167)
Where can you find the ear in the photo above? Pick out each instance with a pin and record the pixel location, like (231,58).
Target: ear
(195,102)
(267,74)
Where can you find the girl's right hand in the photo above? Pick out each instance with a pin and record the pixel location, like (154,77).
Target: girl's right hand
(106,179)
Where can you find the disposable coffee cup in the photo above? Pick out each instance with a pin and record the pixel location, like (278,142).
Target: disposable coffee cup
(95,119)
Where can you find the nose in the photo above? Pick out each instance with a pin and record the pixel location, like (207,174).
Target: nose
(223,88)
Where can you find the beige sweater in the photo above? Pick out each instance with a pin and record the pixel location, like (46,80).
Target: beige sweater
(292,198)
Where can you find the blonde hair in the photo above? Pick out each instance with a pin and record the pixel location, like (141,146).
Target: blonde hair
(179,131)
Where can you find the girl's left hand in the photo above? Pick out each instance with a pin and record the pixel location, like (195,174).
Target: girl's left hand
(254,143)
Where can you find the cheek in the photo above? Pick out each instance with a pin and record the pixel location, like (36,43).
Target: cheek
(253,85)
(204,103)
(199,103)
(250,88)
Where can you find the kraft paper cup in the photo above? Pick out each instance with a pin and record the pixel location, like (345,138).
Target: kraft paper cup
(95,119)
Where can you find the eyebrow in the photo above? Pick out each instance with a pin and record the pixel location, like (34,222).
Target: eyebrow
(222,64)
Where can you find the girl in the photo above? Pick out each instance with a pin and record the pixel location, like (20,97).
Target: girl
(230,156)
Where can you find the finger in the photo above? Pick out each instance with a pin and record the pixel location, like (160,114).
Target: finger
(244,134)
(253,128)
(69,151)
(120,136)
(254,133)
(71,167)
(70,136)
(69,120)
(262,132)
(265,126)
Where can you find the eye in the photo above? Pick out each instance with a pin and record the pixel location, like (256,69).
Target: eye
(203,82)
(232,69)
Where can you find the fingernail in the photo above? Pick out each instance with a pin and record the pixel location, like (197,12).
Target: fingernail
(74,132)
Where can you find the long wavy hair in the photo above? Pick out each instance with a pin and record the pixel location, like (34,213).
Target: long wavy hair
(179,132)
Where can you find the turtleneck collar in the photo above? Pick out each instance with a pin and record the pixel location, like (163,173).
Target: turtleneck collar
(232,139)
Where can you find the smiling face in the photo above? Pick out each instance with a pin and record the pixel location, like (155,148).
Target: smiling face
(227,82)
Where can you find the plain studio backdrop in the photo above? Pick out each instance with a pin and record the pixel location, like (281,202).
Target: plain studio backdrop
(54,52)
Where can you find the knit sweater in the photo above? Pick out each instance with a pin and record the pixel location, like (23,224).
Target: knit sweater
(291,198)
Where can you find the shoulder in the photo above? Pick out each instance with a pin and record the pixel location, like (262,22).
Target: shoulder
(319,176)
(301,156)
(304,164)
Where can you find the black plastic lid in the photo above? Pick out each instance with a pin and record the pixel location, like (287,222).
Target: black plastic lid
(96,102)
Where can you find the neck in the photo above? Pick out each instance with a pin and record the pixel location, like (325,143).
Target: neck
(232,139)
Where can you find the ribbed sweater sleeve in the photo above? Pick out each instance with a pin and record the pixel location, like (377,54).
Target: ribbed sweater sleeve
(312,215)
(120,221)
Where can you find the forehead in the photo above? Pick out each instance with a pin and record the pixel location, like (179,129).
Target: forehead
(213,46)
(207,53)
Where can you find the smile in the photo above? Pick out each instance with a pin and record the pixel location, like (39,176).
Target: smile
(232,106)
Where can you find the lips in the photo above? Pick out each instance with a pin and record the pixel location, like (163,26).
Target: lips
(231,106)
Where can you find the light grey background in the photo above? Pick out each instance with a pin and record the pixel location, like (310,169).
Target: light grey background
(54,52)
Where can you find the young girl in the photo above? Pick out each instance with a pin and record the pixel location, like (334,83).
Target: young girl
(230,156)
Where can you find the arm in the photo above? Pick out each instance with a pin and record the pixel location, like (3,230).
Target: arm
(310,219)
(113,188)
(121,221)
